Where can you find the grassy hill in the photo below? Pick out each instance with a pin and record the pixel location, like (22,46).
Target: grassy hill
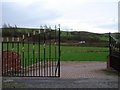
(82,35)
(67,38)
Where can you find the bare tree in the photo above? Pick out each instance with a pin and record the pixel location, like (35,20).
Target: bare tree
(4,25)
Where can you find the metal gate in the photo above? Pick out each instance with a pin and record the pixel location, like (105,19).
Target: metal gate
(114,47)
(31,53)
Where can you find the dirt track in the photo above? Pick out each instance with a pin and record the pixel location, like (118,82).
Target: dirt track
(84,70)
(73,75)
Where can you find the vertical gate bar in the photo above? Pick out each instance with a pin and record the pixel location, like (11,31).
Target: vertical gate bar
(36,57)
(15,51)
(11,58)
(12,62)
(41,62)
(20,56)
(23,57)
(44,52)
(42,58)
(59,54)
(110,48)
(14,65)
(7,55)
(5,63)
(28,53)
(33,52)
(50,51)
(6,60)
(31,72)
(51,59)
(39,53)
(2,58)
(36,66)
(35,63)
(47,57)
(52,66)
(25,67)
(18,49)
(55,48)
(47,66)
(41,67)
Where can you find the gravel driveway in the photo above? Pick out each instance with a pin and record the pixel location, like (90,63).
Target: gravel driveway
(73,75)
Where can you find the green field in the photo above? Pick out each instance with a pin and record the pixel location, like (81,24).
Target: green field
(68,53)
(76,53)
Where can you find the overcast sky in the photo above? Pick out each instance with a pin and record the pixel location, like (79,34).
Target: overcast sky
(99,16)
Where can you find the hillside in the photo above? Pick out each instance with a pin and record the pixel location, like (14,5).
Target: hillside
(69,38)
(87,36)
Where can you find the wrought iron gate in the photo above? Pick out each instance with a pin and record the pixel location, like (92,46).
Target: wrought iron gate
(114,47)
(27,53)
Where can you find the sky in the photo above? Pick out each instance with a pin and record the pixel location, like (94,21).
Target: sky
(99,16)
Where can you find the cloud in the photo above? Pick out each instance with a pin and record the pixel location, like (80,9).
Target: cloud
(111,24)
(32,15)
(88,15)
